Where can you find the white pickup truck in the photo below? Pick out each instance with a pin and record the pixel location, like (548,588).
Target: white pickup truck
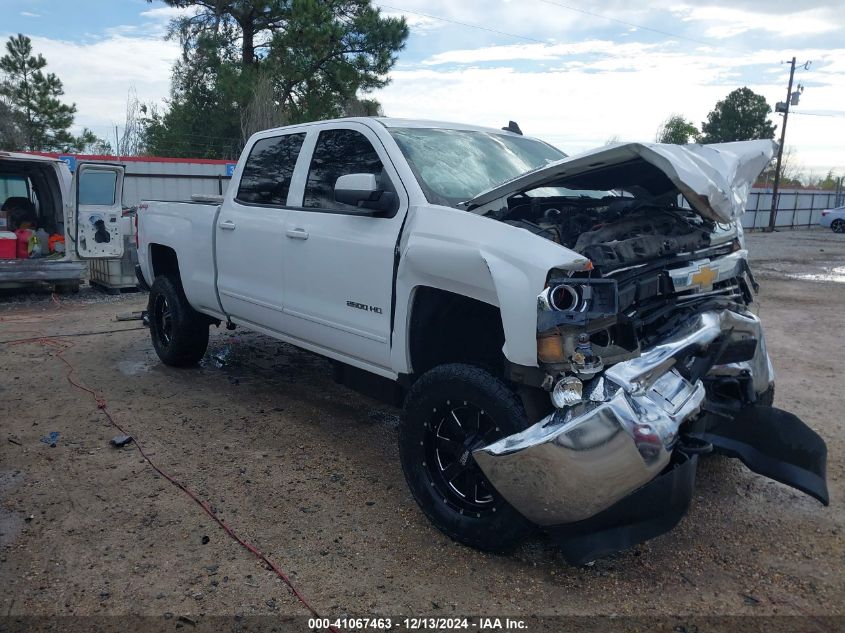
(567,334)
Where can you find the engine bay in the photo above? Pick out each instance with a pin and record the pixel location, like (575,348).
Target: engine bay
(612,231)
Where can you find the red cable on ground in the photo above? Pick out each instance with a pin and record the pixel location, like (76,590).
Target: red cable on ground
(64,345)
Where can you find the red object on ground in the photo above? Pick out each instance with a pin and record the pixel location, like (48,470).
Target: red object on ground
(8,245)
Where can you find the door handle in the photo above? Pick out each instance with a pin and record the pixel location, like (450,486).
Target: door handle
(297,234)
(228,225)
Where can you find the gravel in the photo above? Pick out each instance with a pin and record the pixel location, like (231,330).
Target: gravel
(308,472)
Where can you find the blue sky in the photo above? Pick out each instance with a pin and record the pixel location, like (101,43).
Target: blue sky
(576,73)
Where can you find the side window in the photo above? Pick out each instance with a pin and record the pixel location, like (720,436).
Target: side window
(268,170)
(336,153)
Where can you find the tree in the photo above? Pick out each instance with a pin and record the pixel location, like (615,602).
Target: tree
(677,130)
(791,170)
(11,126)
(132,140)
(741,116)
(39,119)
(250,63)
(231,20)
(829,182)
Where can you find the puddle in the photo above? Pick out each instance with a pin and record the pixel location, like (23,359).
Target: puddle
(219,357)
(133,367)
(836,275)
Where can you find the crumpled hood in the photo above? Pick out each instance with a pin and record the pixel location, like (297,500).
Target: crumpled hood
(715,179)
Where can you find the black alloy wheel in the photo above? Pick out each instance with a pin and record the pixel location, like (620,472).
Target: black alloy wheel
(163,318)
(454,431)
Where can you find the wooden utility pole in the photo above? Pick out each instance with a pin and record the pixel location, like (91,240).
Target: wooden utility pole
(776,186)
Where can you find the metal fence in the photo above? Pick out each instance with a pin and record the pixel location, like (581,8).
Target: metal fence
(796,207)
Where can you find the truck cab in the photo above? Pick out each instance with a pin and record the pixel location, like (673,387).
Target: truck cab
(52,220)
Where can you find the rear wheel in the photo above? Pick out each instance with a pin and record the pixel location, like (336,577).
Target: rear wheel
(179,333)
(838,226)
(449,412)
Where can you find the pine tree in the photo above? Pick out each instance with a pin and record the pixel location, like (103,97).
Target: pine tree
(37,118)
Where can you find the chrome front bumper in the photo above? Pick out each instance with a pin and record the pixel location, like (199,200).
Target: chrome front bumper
(581,460)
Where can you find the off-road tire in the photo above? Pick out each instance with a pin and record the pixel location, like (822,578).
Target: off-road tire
(496,526)
(179,333)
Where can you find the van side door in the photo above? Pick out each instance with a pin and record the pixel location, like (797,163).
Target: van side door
(97,191)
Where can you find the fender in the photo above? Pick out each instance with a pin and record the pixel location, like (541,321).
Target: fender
(483,259)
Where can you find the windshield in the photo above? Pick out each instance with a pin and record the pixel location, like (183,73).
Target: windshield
(453,166)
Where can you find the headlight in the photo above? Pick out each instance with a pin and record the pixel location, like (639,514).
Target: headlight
(567,391)
(562,297)
(571,301)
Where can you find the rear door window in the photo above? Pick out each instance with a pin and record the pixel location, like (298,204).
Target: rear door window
(98,188)
(339,152)
(268,170)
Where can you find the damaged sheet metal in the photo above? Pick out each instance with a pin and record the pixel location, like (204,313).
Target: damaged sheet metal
(715,179)
(581,460)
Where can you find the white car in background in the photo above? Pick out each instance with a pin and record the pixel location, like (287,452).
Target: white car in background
(833,219)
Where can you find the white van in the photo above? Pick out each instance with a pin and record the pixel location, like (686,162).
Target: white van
(40,193)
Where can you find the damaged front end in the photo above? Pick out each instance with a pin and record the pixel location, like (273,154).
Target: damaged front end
(651,357)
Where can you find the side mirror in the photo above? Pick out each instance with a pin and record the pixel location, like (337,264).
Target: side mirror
(362,191)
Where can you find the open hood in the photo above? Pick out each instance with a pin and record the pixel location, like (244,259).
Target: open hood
(715,179)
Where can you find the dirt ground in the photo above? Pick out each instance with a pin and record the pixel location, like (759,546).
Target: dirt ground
(308,472)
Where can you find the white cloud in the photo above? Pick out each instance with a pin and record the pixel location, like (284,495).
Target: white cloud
(97,75)
(165,14)
(725,22)
(577,89)
(535,52)
(30,14)
(628,91)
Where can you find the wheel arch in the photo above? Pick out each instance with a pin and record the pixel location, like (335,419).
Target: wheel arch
(448,327)
(163,260)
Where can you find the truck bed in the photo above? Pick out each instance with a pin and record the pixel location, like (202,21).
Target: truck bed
(191,225)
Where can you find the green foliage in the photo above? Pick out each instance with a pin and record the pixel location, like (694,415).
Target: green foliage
(829,182)
(251,61)
(742,116)
(35,118)
(677,130)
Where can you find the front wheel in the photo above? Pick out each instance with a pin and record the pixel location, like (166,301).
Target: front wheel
(449,412)
(838,226)
(179,333)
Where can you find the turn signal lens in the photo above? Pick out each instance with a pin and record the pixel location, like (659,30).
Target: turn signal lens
(550,349)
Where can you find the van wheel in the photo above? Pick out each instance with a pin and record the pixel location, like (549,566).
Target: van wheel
(67,288)
(179,333)
(450,411)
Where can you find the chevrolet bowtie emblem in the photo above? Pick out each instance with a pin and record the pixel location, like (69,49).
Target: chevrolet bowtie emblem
(704,277)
